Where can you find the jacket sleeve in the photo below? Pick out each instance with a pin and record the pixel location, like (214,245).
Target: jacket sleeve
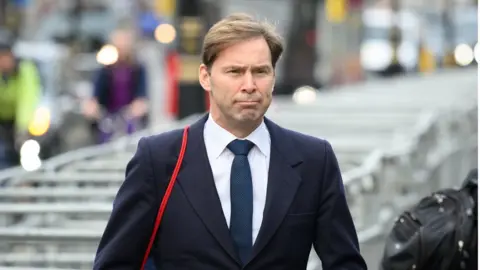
(28,96)
(100,84)
(336,241)
(130,226)
(141,82)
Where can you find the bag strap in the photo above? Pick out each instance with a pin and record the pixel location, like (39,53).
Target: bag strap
(165,198)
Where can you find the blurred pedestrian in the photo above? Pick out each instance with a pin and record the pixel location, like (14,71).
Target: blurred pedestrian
(20,90)
(120,87)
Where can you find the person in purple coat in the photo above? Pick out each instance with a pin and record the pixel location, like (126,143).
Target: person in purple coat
(120,87)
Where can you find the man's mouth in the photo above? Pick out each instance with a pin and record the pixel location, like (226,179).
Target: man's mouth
(248,102)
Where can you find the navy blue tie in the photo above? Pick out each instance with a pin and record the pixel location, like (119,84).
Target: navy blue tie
(241,195)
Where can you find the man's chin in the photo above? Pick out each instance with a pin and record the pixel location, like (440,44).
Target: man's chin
(249,116)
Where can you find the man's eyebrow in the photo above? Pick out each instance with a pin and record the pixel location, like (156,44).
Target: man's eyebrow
(234,67)
(244,67)
(262,67)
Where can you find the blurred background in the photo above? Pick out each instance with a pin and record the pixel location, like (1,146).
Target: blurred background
(392,84)
(328,43)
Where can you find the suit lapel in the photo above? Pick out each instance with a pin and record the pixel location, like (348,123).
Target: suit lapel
(283,182)
(196,181)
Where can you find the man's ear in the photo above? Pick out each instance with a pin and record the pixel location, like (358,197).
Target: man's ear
(204,77)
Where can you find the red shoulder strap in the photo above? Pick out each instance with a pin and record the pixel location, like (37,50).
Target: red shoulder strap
(165,198)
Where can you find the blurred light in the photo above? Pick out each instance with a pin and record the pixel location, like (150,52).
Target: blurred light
(376,55)
(31,163)
(30,155)
(40,122)
(30,148)
(476,53)
(165,8)
(304,95)
(407,20)
(107,55)
(407,55)
(377,17)
(165,33)
(463,55)
(336,10)
(426,60)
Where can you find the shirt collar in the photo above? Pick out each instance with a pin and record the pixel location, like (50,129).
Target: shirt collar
(217,138)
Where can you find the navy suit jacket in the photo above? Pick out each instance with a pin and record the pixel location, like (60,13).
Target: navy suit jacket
(305,205)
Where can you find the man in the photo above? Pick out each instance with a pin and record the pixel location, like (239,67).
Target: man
(20,90)
(227,210)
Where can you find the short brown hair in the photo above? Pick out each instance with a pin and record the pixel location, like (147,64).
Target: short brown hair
(235,28)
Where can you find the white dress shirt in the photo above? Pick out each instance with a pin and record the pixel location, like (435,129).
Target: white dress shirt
(221,159)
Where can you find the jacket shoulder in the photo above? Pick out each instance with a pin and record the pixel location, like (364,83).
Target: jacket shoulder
(311,148)
(169,140)
(167,137)
(306,141)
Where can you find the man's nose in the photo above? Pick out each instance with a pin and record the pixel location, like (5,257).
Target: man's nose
(249,85)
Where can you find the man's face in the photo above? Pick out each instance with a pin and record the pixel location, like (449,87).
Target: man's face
(6,61)
(240,82)
(123,41)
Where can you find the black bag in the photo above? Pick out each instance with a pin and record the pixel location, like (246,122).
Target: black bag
(438,233)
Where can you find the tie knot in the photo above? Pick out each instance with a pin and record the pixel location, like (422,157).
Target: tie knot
(240,147)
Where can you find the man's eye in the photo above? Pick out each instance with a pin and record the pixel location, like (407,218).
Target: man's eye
(262,71)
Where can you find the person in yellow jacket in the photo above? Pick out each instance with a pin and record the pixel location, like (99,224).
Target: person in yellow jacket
(20,91)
